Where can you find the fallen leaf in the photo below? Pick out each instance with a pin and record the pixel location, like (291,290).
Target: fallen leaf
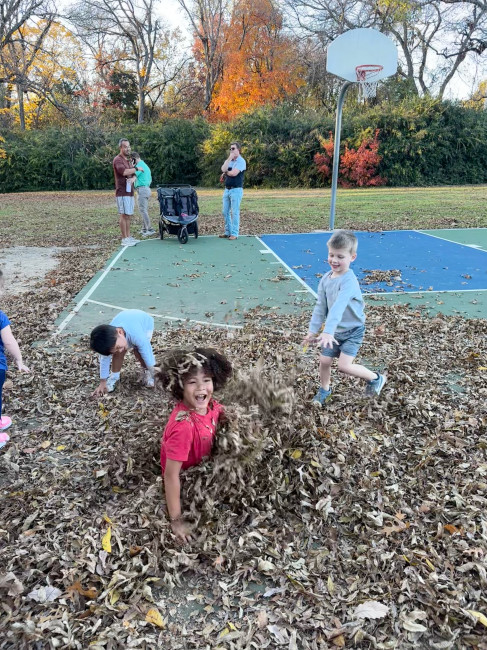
(153,616)
(481,618)
(371,609)
(45,594)
(452,529)
(90,593)
(106,540)
(339,641)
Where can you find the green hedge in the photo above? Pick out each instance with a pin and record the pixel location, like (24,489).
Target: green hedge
(422,142)
(81,159)
(277,144)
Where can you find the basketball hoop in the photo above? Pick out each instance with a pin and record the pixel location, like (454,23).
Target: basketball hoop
(367,84)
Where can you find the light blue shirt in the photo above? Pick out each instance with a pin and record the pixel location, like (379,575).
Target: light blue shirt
(138,327)
(340,304)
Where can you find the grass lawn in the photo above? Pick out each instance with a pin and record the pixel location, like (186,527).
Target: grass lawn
(68,218)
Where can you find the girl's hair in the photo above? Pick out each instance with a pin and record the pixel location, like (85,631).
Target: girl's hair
(179,365)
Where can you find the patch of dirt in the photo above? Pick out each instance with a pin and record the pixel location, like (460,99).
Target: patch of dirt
(24,267)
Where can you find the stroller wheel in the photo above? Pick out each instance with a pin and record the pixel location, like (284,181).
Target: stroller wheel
(161,230)
(183,235)
(195,230)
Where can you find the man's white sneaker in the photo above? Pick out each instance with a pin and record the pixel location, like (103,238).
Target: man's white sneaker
(148,379)
(133,239)
(111,382)
(128,242)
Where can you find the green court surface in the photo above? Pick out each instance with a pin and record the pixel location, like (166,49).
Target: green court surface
(216,282)
(208,280)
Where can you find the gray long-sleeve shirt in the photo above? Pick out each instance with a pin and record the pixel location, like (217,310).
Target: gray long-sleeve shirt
(340,304)
(138,327)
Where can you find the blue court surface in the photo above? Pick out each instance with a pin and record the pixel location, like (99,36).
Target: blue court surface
(426,262)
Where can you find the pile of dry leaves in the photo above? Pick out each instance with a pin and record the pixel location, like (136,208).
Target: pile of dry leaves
(358,525)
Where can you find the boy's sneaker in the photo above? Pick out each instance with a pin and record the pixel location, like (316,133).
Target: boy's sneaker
(4,438)
(322,396)
(111,382)
(148,379)
(375,386)
(143,232)
(150,232)
(5,422)
(128,242)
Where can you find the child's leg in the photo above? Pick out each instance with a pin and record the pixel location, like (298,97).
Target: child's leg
(3,374)
(325,371)
(5,422)
(347,366)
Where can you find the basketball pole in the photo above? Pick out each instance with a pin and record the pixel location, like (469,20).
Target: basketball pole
(336,151)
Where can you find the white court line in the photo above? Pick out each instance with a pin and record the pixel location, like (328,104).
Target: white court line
(74,311)
(295,275)
(428,234)
(185,320)
(423,292)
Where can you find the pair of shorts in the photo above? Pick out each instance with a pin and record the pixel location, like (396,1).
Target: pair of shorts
(125,205)
(349,342)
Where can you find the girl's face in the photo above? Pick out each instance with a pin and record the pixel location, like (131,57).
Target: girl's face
(198,391)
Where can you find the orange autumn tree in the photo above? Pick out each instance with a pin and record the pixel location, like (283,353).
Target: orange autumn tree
(259,61)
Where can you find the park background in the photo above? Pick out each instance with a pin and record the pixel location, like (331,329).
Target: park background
(362,525)
(182,79)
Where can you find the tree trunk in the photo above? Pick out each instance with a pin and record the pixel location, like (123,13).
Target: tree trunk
(140,116)
(20,97)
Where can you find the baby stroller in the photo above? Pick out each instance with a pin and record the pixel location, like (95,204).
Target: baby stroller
(178,211)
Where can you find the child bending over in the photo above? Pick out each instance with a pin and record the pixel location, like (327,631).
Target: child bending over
(340,307)
(8,343)
(191,377)
(131,328)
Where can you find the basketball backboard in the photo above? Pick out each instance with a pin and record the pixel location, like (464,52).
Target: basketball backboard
(361,47)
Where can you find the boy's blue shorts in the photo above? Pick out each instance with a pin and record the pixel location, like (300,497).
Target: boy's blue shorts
(349,342)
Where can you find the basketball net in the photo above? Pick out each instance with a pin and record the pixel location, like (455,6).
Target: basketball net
(367,84)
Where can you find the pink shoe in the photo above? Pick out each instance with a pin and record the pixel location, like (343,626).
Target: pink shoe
(4,438)
(5,422)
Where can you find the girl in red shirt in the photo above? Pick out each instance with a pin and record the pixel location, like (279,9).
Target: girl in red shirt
(191,377)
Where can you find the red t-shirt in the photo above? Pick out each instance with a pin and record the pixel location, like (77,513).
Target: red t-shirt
(120,164)
(188,436)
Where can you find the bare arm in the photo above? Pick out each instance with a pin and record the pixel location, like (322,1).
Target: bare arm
(129,172)
(12,348)
(172,487)
(231,159)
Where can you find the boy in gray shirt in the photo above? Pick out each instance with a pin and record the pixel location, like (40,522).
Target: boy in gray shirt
(131,328)
(340,307)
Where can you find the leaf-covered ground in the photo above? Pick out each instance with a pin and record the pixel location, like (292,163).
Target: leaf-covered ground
(360,525)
